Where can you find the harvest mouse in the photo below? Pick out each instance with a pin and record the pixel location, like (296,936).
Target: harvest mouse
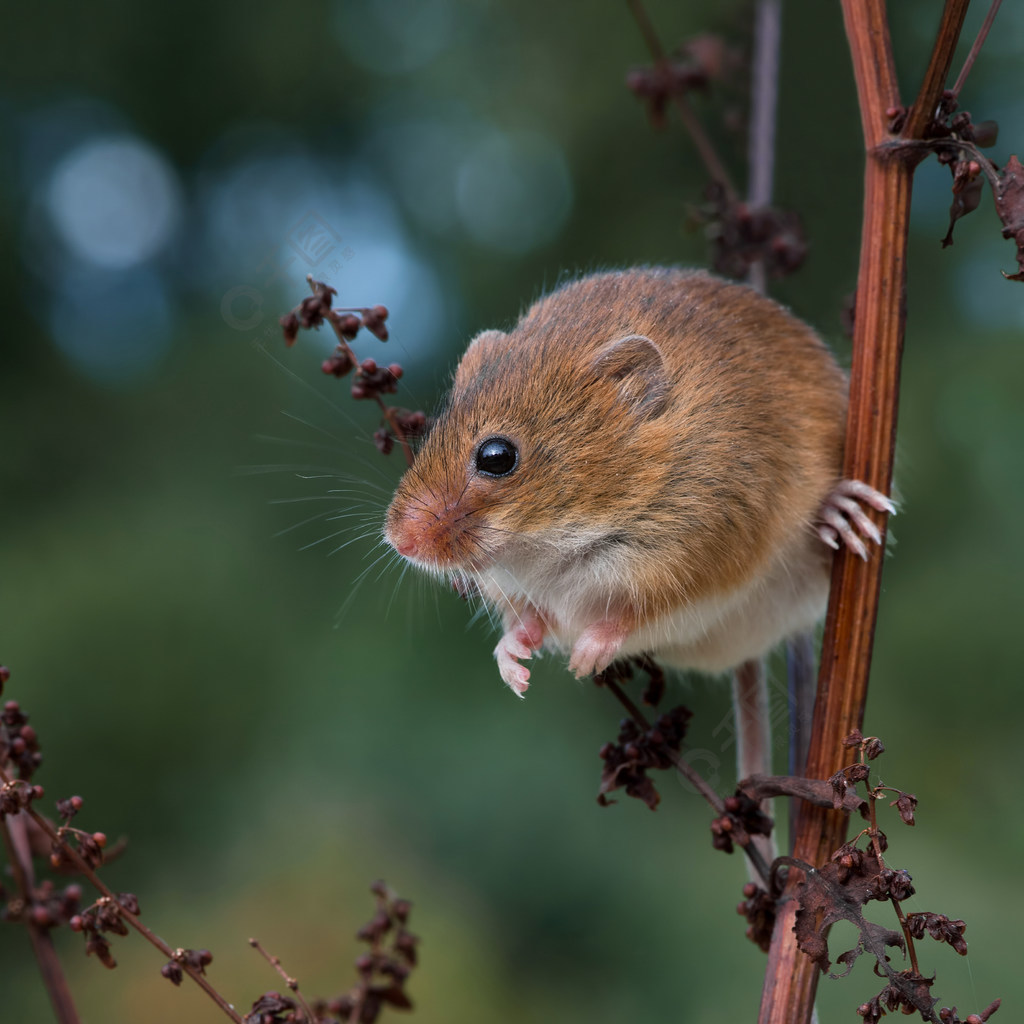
(647,462)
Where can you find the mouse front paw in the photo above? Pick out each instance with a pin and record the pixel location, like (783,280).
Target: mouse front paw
(597,647)
(842,519)
(518,643)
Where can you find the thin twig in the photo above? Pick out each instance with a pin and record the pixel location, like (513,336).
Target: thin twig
(292,983)
(751,707)
(801,683)
(985,164)
(764,93)
(979,42)
(705,149)
(877,847)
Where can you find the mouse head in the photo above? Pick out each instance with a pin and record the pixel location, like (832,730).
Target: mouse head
(542,446)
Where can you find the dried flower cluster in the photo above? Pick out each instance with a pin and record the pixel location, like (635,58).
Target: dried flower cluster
(39,903)
(742,235)
(759,910)
(957,143)
(104,916)
(640,747)
(370,380)
(32,841)
(384,969)
(742,818)
(698,63)
(196,959)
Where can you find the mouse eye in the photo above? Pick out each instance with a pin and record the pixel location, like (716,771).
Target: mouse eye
(497,456)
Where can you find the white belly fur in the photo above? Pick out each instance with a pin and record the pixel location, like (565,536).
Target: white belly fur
(712,635)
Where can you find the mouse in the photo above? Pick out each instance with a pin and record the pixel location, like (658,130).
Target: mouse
(648,462)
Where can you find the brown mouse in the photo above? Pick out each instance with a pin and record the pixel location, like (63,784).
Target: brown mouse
(647,462)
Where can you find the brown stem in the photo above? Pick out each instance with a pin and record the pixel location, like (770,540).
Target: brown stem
(791,978)
(15,840)
(705,149)
(83,868)
(979,42)
(922,113)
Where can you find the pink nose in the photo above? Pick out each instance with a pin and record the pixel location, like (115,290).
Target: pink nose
(405,547)
(401,538)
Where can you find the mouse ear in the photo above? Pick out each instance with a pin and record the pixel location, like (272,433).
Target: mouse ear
(636,364)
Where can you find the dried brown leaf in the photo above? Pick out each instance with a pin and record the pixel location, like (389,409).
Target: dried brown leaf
(1009,199)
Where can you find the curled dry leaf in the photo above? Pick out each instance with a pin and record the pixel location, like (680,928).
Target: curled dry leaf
(1010,208)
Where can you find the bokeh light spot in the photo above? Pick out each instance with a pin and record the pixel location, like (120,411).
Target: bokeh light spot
(114,201)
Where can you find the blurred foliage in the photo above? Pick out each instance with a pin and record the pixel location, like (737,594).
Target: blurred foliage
(269,742)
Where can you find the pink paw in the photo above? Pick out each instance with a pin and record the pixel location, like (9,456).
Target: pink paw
(597,647)
(843,519)
(517,643)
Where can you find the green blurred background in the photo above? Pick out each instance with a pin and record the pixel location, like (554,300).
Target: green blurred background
(186,638)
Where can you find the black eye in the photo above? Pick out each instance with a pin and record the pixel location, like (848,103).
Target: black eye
(497,457)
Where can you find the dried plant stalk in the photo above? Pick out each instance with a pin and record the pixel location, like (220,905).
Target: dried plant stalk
(791,978)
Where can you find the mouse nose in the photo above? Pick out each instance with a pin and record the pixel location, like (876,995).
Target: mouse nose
(402,540)
(405,547)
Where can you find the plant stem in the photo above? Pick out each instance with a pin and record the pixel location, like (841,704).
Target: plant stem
(877,847)
(15,840)
(751,705)
(979,42)
(791,978)
(764,94)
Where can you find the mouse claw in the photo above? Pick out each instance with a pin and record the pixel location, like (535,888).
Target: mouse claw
(507,654)
(517,644)
(515,676)
(597,647)
(842,519)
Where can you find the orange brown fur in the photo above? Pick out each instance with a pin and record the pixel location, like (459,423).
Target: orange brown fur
(645,484)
